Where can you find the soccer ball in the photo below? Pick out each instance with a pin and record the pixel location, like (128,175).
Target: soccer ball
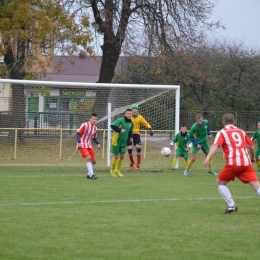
(166,151)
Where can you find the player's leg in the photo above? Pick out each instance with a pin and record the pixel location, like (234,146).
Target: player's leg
(185,156)
(257,156)
(226,175)
(122,151)
(175,159)
(93,163)
(192,160)
(137,143)
(205,150)
(85,154)
(130,154)
(115,151)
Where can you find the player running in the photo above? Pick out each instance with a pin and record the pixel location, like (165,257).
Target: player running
(183,145)
(198,136)
(234,142)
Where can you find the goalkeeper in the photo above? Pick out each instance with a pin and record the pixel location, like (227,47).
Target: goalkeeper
(183,145)
(257,154)
(138,120)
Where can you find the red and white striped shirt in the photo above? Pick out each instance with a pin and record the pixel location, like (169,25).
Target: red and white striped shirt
(234,141)
(87,131)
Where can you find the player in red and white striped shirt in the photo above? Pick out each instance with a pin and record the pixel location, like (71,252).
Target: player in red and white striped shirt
(86,133)
(234,142)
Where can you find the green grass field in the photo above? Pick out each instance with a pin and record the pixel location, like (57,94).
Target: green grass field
(54,212)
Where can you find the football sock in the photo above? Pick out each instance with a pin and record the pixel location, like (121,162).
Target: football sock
(258,191)
(186,163)
(258,165)
(210,165)
(189,165)
(174,161)
(119,164)
(113,166)
(138,158)
(226,195)
(90,169)
(131,157)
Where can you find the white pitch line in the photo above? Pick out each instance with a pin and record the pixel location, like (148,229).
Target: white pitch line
(113,201)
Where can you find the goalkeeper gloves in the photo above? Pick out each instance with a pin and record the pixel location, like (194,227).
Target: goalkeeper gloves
(150,132)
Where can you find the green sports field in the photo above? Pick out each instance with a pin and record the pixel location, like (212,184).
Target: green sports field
(54,212)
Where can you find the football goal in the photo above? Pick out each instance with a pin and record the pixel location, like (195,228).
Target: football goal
(45,115)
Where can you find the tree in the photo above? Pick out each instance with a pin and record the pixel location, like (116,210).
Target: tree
(223,76)
(29,28)
(164,22)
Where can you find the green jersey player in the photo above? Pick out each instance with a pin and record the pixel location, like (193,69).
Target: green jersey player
(198,136)
(183,145)
(257,154)
(123,128)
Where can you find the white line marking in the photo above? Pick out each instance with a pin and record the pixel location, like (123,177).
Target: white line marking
(113,201)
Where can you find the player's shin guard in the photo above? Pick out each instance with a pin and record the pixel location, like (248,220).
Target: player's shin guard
(119,164)
(113,165)
(189,165)
(210,165)
(226,195)
(186,163)
(174,161)
(258,165)
(131,157)
(138,158)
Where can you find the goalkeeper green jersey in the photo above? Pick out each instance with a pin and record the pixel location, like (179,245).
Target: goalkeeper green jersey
(257,137)
(181,141)
(120,139)
(199,133)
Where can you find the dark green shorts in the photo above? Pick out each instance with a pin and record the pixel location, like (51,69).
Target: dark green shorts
(118,149)
(204,148)
(257,153)
(182,153)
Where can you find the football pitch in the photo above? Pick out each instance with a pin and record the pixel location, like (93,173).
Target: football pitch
(54,212)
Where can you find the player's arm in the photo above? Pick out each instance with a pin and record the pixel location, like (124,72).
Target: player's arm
(116,128)
(251,148)
(78,138)
(193,140)
(174,140)
(208,132)
(147,125)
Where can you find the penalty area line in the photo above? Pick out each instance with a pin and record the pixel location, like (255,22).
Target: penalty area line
(112,201)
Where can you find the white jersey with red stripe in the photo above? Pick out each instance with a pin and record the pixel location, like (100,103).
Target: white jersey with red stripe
(87,131)
(234,143)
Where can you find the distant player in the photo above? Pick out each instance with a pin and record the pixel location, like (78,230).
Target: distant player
(85,133)
(138,120)
(198,136)
(183,145)
(123,128)
(234,143)
(257,154)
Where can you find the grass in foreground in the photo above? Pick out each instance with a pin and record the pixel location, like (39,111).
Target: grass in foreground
(56,213)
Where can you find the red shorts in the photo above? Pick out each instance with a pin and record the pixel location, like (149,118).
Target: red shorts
(243,173)
(87,152)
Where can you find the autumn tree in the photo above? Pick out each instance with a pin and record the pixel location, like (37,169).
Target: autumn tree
(27,29)
(124,24)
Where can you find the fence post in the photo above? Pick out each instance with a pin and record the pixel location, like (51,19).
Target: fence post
(214,123)
(15,143)
(60,143)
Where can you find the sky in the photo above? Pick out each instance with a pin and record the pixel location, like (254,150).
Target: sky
(241,19)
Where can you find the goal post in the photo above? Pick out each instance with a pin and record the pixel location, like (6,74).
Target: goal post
(65,105)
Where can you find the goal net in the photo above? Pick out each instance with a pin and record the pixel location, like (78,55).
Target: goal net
(38,122)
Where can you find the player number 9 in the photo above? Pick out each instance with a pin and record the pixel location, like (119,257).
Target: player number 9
(237,139)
